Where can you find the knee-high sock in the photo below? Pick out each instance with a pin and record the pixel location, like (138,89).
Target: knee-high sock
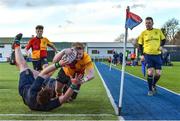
(150,82)
(156,78)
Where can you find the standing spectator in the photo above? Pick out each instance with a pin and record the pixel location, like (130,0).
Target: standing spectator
(109,59)
(150,43)
(132,56)
(115,58)
(165,55)
(39,45)
(120,57)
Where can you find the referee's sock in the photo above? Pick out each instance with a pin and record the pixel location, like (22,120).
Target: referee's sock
(156,78)
(150,82)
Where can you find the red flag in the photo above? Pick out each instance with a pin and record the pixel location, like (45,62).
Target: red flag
(132,20)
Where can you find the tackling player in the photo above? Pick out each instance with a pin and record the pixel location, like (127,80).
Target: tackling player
(34,93)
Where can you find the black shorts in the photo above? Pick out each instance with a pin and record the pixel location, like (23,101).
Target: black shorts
(37,64)
(63,78)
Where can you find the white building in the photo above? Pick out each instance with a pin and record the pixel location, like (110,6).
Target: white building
(94,49)
(5,47)
(106,49)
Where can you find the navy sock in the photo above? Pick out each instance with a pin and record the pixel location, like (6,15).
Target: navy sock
(156,78)
(150,81)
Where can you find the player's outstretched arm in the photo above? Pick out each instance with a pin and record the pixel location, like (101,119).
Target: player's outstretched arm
(89,76)
(73,88)
(45,73)
(53,47)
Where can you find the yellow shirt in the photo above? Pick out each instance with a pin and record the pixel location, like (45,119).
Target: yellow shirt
(151,40)
(80,66)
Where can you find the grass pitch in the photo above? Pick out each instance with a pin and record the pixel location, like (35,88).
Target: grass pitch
(92,102)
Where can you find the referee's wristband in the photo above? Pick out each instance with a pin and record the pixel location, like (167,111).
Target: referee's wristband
(57,65)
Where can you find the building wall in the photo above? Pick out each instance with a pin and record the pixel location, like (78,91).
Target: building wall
(174,52)
(104,47)
(5,51)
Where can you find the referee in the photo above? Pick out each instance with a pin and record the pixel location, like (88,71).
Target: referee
(150,43)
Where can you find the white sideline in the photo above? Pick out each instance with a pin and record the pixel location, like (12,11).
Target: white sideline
(146,81)
(56,115)
(110,96)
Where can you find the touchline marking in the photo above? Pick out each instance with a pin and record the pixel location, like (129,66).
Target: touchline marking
(57,115)
(146,81)
(108,92)
(110,96)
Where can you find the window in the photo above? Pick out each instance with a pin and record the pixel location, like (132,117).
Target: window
(109,51)
(22,47)
(0,55)
(95,52)
(1,46)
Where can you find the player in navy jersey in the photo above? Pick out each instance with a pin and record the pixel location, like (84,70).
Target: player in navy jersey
(35,87)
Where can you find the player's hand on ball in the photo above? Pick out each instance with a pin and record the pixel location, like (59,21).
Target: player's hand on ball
(68,51)
(63,62)
(70,56)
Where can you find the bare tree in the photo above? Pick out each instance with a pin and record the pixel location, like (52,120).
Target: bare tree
(170,28)
(134,41)
(120,38)
(177,38)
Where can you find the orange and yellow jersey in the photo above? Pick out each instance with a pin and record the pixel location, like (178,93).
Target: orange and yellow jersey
(151,40)
(79,66)
(38,46)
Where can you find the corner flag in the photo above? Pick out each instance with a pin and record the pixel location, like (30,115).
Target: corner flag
(132,20)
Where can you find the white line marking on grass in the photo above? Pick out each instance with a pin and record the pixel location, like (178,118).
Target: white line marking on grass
(4,89)
(109,95)
(56,115)
(146,81)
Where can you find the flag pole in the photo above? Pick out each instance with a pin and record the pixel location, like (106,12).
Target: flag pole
(110,66)
(123,67)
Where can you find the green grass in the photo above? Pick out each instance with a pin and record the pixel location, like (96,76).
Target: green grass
(170,78)
(92,99)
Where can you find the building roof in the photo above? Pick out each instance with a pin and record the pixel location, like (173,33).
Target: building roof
(108,44)
(9,40)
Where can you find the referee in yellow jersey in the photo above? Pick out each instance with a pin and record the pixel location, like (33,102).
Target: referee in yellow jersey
(150,43)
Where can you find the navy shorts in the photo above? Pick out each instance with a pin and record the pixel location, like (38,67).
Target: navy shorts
(26,79)
(153,61)
(37,64)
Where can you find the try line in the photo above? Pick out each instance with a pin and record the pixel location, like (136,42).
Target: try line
(56,115)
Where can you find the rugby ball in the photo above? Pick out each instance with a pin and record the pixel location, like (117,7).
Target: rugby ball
(70,57)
